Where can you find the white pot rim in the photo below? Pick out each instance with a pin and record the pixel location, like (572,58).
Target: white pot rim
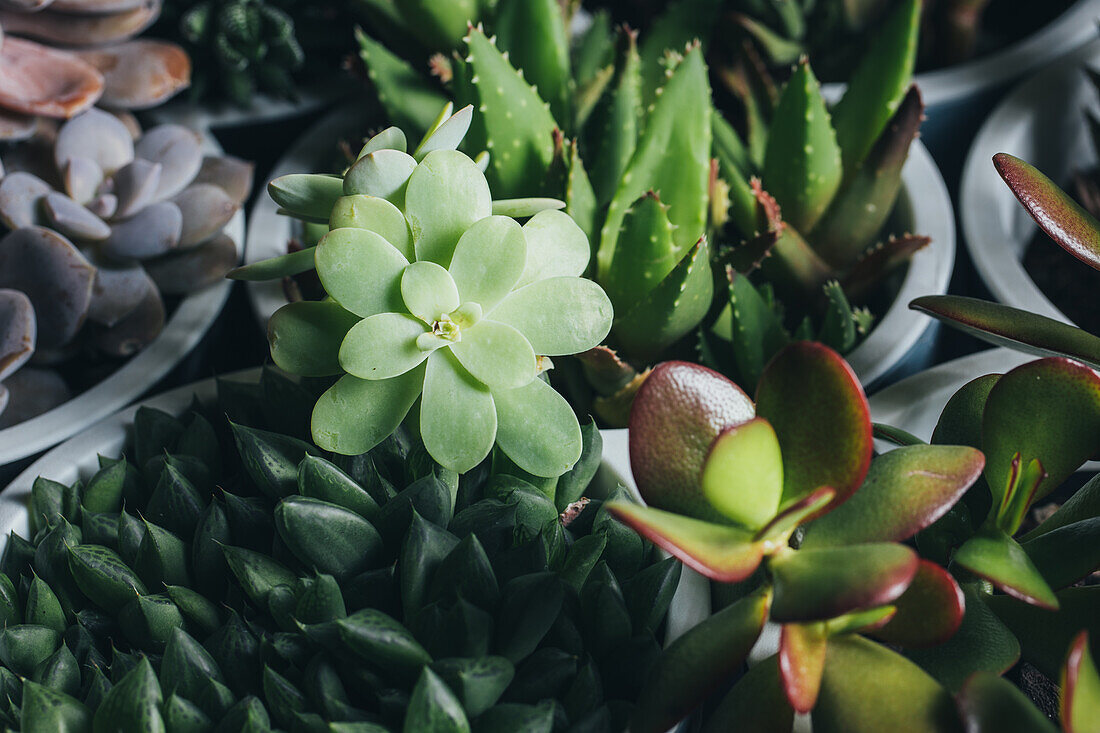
(183,330)
(984,196)
(893,336)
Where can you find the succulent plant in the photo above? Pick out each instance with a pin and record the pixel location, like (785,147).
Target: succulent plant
(102,222)
(71,54)
(228,576)
(436,296)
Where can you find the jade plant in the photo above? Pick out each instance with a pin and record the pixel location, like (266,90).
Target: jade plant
(781,500)
(102,222)
(227,575)
(438,297)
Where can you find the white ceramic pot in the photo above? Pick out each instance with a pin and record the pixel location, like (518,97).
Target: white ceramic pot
(1043,122)
(900,343)
(183,330)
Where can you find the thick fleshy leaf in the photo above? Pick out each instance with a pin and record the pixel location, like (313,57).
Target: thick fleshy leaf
(743,473)
(362,271)
(97,135)
(1047,409)
(525,207)
(1080,703)
(206,208)
(559,315)
(756,704)
(905,491)
(819,584)
(276,268)
(446,194)
(988,702)
(778,531)
(39,80)
(307,195)
(17,331)
(929,612)
(448,135)
(305,337)
(867,688)
(139,73)
(801,663)
(383,173)
(355,415)
(960,422)
(177,150)
(376,214)
(677,413)
(998,558)
(802,163)
(1068,553)
(1062,218)
(496,355)
(698,663)
(429,291)
(644,255)
(488,261)
(452,397)
(21,195)
(556,247)
(815,403)
(720,552)
(383,346)
(152,232)
(1043,636)
(538,429)
(1003,325)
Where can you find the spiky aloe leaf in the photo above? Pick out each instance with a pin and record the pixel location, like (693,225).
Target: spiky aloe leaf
(683,22)
(867,196)
(1062,218)
(436,24)
(795,266)
(802,166)
(733,160)
(411,102)
(645,254)
(533,34)
(594,50)
(753,328)
(580,197)
(673,157)
(838,326)
(518,123)
(878,84)
(875,263)
(613,132)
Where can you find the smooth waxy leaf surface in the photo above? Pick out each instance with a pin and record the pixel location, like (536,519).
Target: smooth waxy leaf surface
(999,559)
(445,196)
(1080,703)
(306,195)
(362,271)
(452,396)
(1044,637)
(305,337)
(497,355)
(383,346)
(552,447)
(488,261)
(375,214)
(743,473)
(558,316)
(355,415)
(988,702)
(1066,554)
(929,612)
(802,650)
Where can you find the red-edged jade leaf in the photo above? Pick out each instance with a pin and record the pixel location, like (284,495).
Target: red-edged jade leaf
(960,422)
(989,703)
(678,412)
(1043,635)
(905,491)
(1023,484)
(1003,325)
(867,688)
(756,704)
(777,532)
(1080,704)
(743,473)
(698,663)
(812,585)
(720,552)
(993,555)
(981,643)
(815,403)
(1066,554)
(929,612)
(801,662)
(1062,218)
(1047,409)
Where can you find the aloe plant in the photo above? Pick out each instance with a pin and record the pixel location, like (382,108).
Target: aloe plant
(226,575)
(436,296)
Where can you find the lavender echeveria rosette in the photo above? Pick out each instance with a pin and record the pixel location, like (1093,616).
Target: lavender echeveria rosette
(436,294)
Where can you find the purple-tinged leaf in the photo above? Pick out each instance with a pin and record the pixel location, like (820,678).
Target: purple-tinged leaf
(989,703)
(1043,635)
(678,412)
(1062,218)
(720,552)
(929,612)
(814,401)
(1066,554)
(867,688)
(818,584)
(905,491)
(801,663)
(1080,703)
(699,662)
(993,555)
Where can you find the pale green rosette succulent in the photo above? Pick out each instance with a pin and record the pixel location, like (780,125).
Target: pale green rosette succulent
(434,297)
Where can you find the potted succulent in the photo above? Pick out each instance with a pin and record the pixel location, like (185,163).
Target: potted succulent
(115,246)
(226,573)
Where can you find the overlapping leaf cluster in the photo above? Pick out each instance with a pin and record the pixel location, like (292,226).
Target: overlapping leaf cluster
(225,578)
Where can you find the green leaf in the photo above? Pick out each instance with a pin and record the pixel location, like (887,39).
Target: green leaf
(355,415)
(1045,636)
(376,637)
(465,573)
(428,291)
(450,395)
(133,703)
(149,621)
(375,214)
(998,558)
(306,195)
(516,718)
(753,327)
(496,354)
(960,422)
(876,87)
(743,473)
(327,537)
(44,709)
(448,134)
(819,584)
(756,704)
(556,247)
(383,174)
(583,555)
(320,479)
(868,688)
(104,490)
(424,548)
(537,429)
(477,683)
(613,130)
(446,195)
(1080,704)
(102,576)
(991,703)
(276,268)
(574,482)
(305,337)
(801,663)
(720,552)
(700,661)
(528,607)
(558,316)
(362,271)
(488,260)
(905,490)
(1066,554)
(383,346)
(649,593)
(43,608)
(184,717)
(802,163)
(23,647)
(644,255)
(257,573)
(682,22)
(433,708)
(410,100)
(928,613)
(271,459)
(534,36)
(162,558)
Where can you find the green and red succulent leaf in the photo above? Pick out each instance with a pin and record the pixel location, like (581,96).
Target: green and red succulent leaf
(802,650)
(988,703)
(1043,636)
(1080,702)
(743,473)
(929,612)
(778,530)
(993,555)
(756,704)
